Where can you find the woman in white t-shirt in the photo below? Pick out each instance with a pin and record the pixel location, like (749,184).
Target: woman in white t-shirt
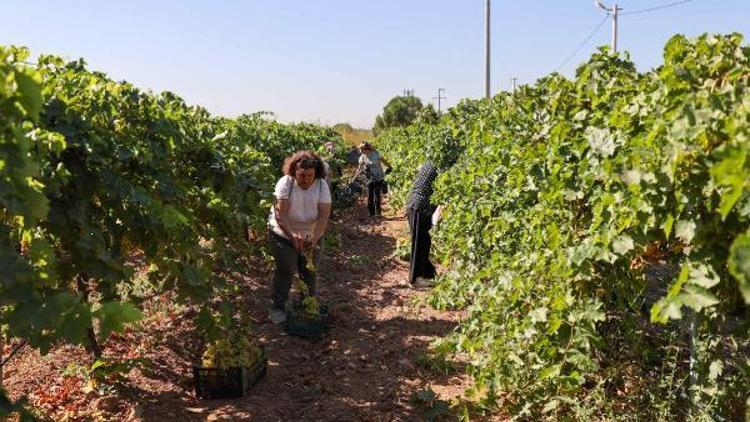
(297,223)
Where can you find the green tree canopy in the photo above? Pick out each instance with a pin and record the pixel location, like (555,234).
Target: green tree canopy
(399,112)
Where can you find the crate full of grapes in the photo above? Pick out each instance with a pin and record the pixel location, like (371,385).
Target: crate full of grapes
(229,369)
(307,318)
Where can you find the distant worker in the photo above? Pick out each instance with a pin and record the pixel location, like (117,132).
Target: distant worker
(370,162)
(422,215)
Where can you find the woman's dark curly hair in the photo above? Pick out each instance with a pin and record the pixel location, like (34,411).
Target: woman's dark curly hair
(304,160)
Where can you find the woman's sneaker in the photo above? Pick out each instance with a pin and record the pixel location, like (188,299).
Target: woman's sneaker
(277,316)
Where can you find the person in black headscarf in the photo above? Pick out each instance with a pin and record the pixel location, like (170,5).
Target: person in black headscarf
(420,210)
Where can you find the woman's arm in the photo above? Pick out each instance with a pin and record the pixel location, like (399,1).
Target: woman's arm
(324,211)
(282,213)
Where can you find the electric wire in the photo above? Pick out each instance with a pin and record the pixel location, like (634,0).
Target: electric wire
(651,9)
(583,44)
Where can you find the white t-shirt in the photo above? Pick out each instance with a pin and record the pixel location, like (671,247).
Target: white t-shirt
(373,160)
(303,205)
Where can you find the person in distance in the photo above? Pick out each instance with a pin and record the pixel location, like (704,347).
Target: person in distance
(370,162)
(422,215)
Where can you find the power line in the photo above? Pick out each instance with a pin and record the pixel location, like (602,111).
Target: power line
(651,9)
(583,44)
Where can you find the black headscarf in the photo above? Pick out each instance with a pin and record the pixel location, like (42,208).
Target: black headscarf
(421,191)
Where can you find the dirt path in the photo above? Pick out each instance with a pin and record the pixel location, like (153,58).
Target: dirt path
(365,368)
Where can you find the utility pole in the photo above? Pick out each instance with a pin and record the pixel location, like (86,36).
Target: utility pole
(440,97)
(487,50)
(613,11)
(513,80)
(408,92)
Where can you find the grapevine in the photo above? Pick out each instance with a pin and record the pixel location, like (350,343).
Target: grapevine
(556,198)
(98,171)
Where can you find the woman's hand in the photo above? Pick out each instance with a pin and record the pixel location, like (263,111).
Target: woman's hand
(437,215)
(299,242)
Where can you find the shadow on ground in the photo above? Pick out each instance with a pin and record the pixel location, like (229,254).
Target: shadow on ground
(363,369)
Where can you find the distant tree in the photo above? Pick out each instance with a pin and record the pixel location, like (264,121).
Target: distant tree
(343,128)
(428,114)
(399,112)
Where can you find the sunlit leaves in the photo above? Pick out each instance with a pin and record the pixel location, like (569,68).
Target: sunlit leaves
(579,189)
(94,172)
(29,86)
(685,230)
(691,289)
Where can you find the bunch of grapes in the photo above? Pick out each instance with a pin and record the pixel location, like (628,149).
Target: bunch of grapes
(309,253)
(310,305)
(231,353)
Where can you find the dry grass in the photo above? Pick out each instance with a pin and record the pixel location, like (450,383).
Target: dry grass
(353,136)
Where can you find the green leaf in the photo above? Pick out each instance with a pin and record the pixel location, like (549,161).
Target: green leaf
(601,141)
(665,309)
(623,244)
(697,298)
(739,263)
(515,359)
(703,276)
(6,406)
(550,372)
(70,317)
(29,85)
(715,370)
(98,364)
(667,226)
(685,230)
(172,218)
(551,405)
(539,314)
(729,172)
(113,316)
(41,253)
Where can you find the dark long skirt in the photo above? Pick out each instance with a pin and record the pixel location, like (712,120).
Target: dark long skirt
(374,197)
(419,262)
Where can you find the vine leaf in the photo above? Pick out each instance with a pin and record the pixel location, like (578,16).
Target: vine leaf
(113,316)
(739,263)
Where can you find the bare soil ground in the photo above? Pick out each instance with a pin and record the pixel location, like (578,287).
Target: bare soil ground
(364,369)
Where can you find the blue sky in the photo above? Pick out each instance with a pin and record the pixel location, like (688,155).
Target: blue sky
(333,61)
